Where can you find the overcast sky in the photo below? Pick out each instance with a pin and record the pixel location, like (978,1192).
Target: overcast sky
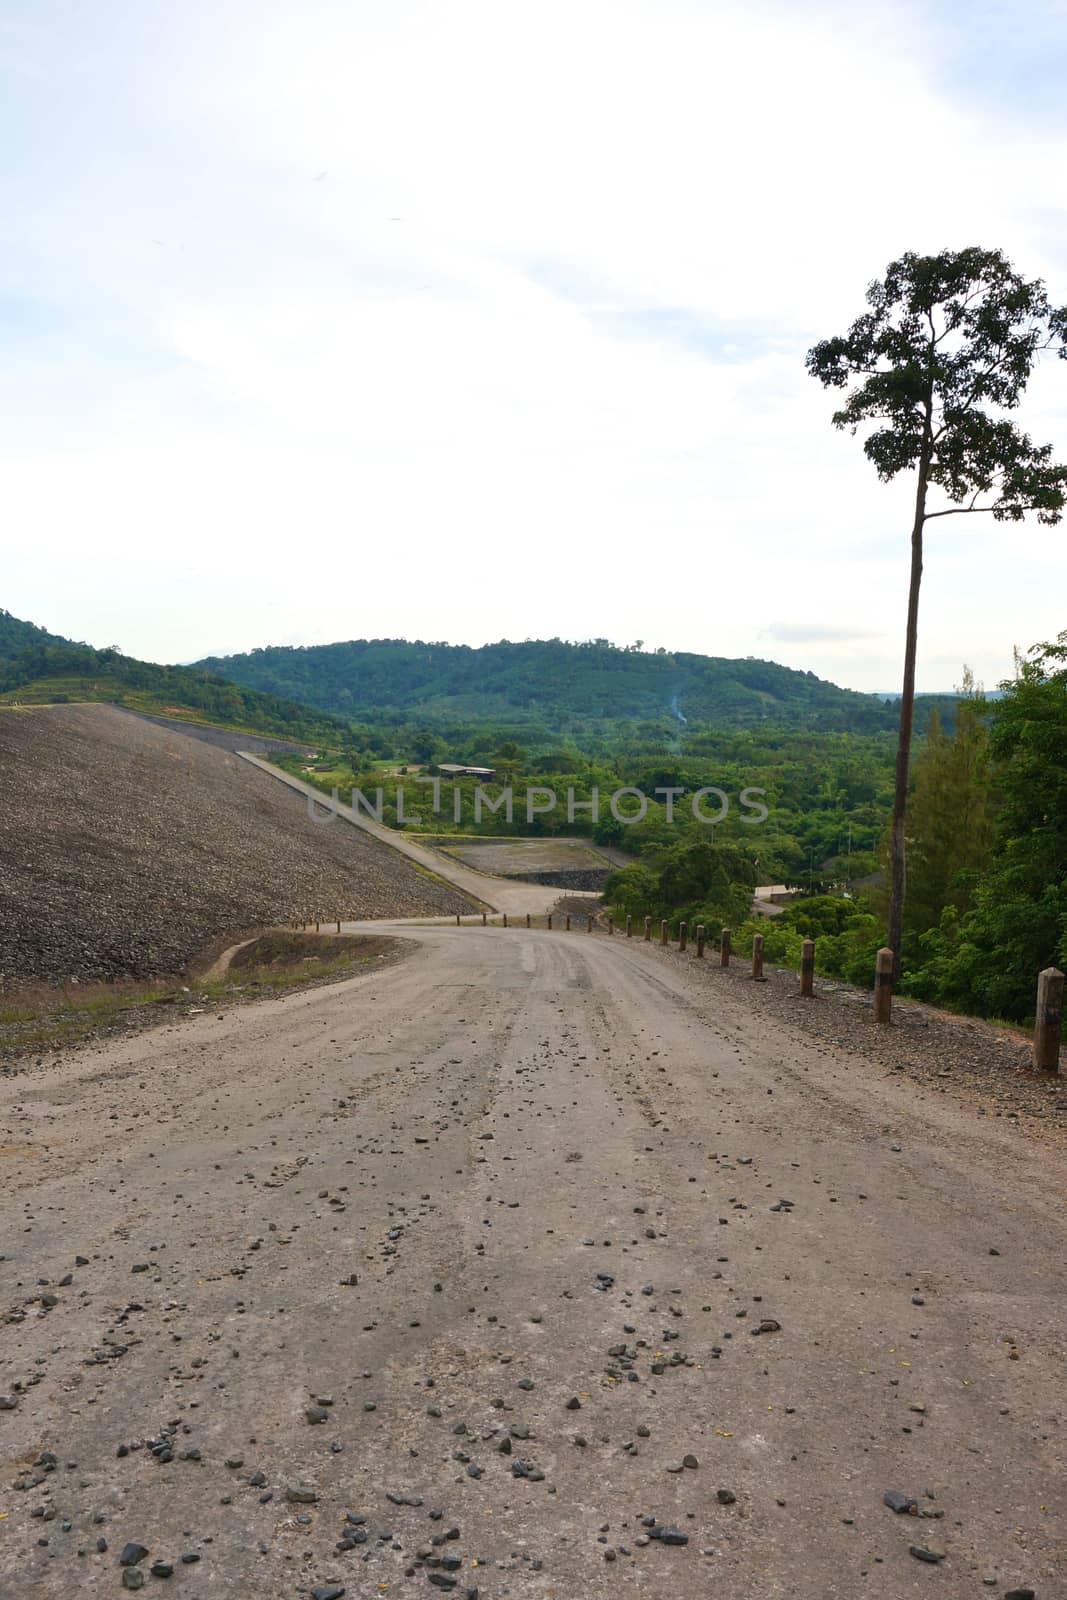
(483,319)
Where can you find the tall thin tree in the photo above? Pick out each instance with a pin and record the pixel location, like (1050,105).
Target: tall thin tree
(936,364)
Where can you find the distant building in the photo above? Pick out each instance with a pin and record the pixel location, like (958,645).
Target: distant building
(769,899)
(449,769)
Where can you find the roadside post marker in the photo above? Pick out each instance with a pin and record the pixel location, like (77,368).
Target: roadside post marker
(807,968)
(883,985)
(1047,1026)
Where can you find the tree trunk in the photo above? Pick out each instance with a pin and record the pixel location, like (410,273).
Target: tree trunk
(897,866)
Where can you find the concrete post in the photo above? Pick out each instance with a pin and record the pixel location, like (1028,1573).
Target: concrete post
(527,919)
(316,927)
(549,922)
(483,919)
(724,948)
(505,919)
(757,958)
(629,927)
(807,967)
(648,929)
(567,923)
(883,985)
(611,925)
(338,924)
(457,919)
(1047,1023)
(663,931)
(700,940)
(683,934)
(588,924)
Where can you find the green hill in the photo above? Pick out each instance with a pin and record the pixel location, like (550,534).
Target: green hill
(40,667)
(551,683)
(539,690)
(16,636)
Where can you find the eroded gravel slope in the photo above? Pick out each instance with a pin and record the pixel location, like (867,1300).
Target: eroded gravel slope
(126,848)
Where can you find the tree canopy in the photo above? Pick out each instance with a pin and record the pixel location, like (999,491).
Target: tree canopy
(946,347)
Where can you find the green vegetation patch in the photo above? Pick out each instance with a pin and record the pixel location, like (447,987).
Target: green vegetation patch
(40,668)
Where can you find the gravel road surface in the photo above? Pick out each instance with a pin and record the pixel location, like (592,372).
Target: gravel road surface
(533,1265)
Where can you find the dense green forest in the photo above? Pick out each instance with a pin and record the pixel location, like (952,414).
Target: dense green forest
(826,794)
(16,636)
(541,689)
(987,862)
(39,666)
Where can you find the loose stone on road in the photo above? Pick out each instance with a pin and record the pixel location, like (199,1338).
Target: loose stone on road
(531,1265)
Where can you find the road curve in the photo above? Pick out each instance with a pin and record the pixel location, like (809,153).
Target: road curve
(498,894)
(571,1177)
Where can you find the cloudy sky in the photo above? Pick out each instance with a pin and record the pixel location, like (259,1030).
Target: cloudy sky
(482,319)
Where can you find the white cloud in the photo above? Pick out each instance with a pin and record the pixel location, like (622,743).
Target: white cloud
(488,320)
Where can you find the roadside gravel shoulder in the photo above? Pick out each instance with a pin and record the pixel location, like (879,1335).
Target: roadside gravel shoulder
(974,1061)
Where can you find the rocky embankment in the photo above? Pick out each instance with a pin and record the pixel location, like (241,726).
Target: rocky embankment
(128,849)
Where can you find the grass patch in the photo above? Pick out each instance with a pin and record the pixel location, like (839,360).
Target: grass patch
(277,963)
(280,957)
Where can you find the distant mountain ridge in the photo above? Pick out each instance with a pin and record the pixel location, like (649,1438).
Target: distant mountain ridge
(552,681)
(543,687)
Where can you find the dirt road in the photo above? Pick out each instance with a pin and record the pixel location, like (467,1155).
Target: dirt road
(475,1251)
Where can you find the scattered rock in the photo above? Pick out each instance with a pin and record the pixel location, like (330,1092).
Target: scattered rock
(900,1503)
(667,1535)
